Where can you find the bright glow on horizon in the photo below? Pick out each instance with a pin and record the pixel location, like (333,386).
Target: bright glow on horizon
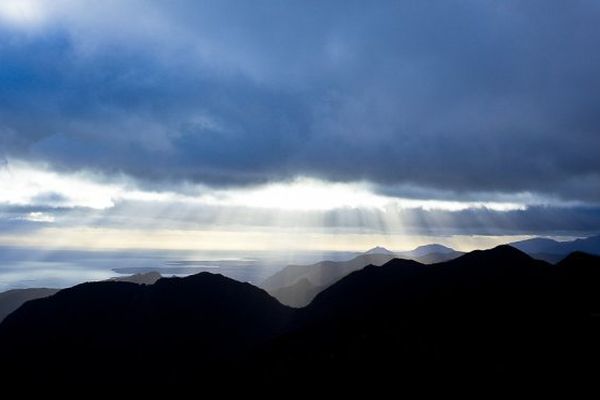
(264,240)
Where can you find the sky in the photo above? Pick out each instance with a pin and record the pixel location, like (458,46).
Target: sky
(298,124)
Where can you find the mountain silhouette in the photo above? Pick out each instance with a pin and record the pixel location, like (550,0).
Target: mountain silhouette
(434,258)
(492,318)
(553,251)
(487,316)
(426,250)
(142,278)
(167,331)
(13,299)
(581,273)
(296,285)
(380,250)
(430,254)
(402,280)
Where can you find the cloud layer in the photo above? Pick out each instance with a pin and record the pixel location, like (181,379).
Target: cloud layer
(424,118)
(465,97)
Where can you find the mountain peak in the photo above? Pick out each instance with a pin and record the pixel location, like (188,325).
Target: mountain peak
(579,257)
(379,250)
(431,248)
(500,253)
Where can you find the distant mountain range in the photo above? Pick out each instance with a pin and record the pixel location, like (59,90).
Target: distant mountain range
(297,285)
(553,251)
(490,317)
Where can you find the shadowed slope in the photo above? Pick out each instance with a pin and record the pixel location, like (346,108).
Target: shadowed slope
(488,315)
(168,330)
(581,274)
(13,299)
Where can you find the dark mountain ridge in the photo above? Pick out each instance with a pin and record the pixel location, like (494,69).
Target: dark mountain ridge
(491,317)
(166,331)
(13,299)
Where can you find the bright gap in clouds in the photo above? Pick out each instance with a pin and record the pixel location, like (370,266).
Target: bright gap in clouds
(26,185)
(306,194)
(37,216)
(302,194)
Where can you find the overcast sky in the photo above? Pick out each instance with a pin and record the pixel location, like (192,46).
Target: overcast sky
(399,121)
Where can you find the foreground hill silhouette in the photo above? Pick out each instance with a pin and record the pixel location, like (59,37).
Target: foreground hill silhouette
(581,274)
(170,331)
(13,299)
(493,317)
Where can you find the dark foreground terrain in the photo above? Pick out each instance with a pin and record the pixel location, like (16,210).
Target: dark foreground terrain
(495,317)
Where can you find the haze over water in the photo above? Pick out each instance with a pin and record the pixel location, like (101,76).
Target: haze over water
(24,268)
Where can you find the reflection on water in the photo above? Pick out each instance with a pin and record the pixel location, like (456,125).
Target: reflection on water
(24,268)
(25,274)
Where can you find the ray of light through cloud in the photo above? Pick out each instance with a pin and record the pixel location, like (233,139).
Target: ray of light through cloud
(303,212)
(329,124)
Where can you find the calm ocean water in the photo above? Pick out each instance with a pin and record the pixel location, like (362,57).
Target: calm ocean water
(25,267)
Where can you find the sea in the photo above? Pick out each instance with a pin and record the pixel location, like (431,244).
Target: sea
(60,268)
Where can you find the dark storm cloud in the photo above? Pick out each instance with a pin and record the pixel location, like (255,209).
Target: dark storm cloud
(536,220)
(450,97)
